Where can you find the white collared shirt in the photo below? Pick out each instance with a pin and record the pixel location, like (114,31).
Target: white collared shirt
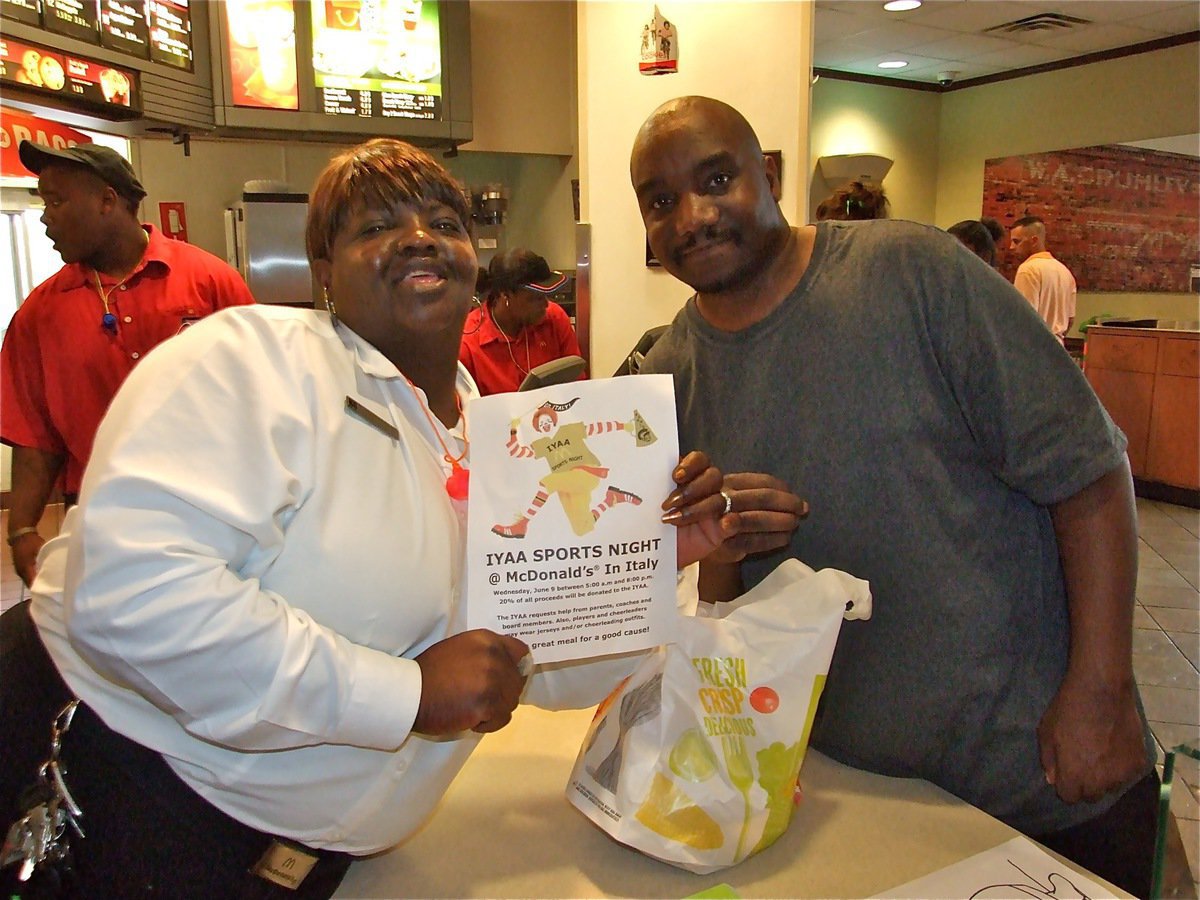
(251,571)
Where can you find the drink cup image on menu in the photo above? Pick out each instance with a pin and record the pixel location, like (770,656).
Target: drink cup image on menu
(412,14)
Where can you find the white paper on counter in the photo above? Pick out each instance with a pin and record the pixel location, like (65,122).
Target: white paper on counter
(1018,868)
(565,544)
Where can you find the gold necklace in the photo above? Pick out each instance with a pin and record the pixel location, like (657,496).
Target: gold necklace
(458,481)
(108,321)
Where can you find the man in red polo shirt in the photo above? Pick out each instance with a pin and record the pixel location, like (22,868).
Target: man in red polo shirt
(125,288)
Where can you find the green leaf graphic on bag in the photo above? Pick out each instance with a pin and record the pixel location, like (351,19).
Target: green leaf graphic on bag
(778,769)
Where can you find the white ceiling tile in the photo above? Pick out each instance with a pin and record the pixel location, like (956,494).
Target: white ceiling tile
(1021,56)
(833,24)
(902,35)
(1093,38)
(974,16)
(853,35)
(1108,10)
(1177,20)
(964,46)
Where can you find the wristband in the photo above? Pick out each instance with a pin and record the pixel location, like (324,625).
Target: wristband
(20,533)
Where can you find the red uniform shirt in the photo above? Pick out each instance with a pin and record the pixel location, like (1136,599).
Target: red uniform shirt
(59,369)
(500,364)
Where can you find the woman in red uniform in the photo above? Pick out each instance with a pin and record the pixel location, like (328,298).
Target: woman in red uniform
(516,327)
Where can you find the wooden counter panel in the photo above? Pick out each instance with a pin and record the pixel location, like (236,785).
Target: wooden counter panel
(1121,351)
(1180,356)
(1127,397)
(1173,448)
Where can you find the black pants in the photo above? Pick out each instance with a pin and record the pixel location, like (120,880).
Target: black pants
(148,834)
(1117,845)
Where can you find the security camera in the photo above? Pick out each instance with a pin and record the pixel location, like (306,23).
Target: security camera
(945,79)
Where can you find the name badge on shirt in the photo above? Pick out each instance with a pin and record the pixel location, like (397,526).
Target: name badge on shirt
(285,864)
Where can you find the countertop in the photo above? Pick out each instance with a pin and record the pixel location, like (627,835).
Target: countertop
(505,830)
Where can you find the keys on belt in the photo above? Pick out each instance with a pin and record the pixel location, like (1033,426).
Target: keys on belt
(39,842)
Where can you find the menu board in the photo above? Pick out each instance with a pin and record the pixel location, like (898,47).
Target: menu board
(159,30)
(378,58)
(171,32)
(74,18)
(66,75)
(262,53)
(21,10)
(123,27)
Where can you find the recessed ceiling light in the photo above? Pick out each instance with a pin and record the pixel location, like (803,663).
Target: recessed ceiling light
(892,64)
(901,5)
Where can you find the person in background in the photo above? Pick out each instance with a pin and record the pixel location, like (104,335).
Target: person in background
(856,201)
(977,237)
(1045,282)
(259,599)
(124,289)
(995,229)
(968,473)
(516,327)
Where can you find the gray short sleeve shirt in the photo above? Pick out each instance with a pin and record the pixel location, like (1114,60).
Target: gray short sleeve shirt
(930,418)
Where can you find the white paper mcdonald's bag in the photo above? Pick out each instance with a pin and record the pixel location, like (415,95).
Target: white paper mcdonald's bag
(694,758)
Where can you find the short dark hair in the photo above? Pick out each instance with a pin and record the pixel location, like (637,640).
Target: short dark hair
(1026,221)
(995,229)
(975,235)
(379,171)
(856,201)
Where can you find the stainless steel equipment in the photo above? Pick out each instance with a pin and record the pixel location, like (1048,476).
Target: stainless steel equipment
(264,240)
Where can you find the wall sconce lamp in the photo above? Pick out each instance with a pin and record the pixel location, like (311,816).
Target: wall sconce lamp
(865,167)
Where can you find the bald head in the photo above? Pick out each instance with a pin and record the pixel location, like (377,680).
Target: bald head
(708,197)
(694,113)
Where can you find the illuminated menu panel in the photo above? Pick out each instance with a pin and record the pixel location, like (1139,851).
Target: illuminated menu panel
(123,27)
(378,58)
(74,18)
(63,74)
(21,10)
(262,53)
(171,32)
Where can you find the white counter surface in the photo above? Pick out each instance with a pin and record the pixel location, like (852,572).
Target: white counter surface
(506,830)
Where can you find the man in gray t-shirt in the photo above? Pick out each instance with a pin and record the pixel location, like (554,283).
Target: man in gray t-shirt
(951,454)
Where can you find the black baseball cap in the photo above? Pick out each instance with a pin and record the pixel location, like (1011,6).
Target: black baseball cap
(534,272)
(107,163)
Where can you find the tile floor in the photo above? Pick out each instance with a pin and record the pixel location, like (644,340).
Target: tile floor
(1166,653)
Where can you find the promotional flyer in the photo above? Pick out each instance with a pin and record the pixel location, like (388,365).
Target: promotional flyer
(565,544)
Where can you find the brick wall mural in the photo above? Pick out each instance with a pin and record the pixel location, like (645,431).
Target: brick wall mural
(1120,218)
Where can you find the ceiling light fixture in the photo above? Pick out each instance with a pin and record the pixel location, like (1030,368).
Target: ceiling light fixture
(892,64)
(901,5)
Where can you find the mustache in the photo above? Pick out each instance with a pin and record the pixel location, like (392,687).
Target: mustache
(710,234)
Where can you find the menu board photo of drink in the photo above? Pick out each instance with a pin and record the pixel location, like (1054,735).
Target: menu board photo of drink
(262,53)
(378,58)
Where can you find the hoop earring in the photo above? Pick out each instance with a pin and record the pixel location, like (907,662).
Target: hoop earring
(333,316)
